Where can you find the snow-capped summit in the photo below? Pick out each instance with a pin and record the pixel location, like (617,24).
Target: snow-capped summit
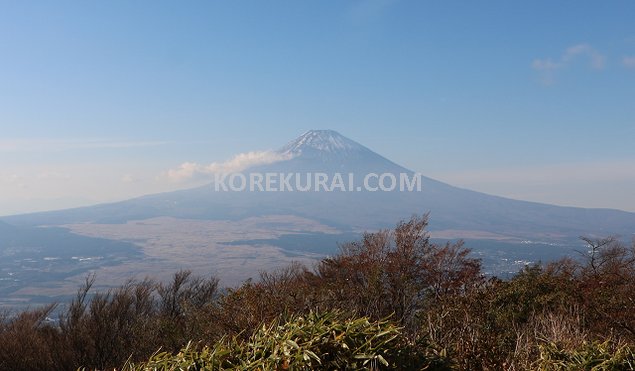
(325,141)
(330,151)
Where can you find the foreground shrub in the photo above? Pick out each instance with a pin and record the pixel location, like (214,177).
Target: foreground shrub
(594,356)
(27,342)
(316,341)
(397,272)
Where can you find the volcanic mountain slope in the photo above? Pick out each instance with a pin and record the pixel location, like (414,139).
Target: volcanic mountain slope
(236,234)
(329,152)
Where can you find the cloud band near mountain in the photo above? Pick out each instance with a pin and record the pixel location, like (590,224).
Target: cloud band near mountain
(191,170)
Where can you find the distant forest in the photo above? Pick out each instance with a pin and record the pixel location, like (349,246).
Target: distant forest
(391,300)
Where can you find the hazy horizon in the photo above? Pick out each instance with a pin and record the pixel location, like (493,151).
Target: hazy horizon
(107,101)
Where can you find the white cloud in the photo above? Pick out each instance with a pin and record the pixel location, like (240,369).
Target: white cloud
(185,171)
(192,170)
(597,60)
(629,62)
(548,66)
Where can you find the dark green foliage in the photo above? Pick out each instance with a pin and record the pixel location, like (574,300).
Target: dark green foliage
(316,341)
(595,356)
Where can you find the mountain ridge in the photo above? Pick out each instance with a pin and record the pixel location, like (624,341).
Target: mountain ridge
(329,152)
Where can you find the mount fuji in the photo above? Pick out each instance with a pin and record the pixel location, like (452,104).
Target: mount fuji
(329,152)
(235,234)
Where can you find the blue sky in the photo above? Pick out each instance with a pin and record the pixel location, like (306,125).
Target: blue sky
(531,100)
